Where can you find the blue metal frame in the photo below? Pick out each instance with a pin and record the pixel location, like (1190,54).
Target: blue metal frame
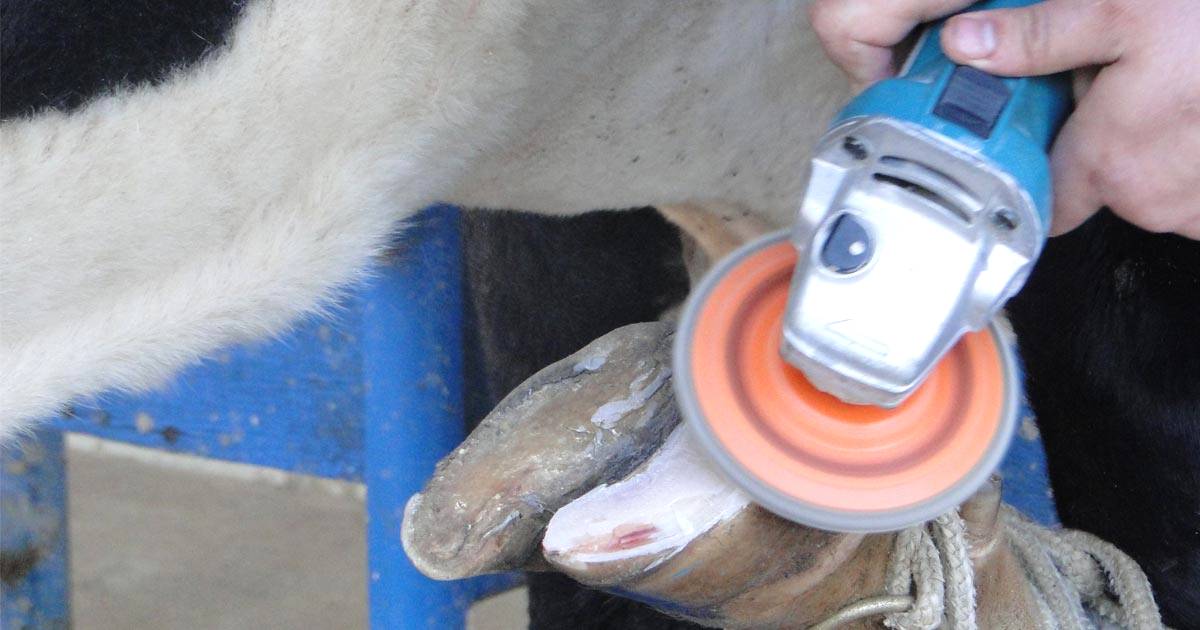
(1026,480)
(374,396)
(33,534)
(412,368)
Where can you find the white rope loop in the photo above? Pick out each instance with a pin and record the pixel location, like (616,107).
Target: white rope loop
(1057,595)
(1077,579)
(1098,574)
(950,535)
(916,561)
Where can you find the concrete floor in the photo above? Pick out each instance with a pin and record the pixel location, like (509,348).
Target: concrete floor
(163,542)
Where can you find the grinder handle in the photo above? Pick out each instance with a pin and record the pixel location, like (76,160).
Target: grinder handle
(1009,121)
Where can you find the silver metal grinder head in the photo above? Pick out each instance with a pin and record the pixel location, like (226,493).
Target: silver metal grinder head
(905,242)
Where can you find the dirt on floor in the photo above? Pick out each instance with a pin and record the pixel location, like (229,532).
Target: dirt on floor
(169,542)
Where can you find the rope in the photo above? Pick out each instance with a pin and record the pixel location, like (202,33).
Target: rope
(1094,574)
(1076,578)
(916,560)
(950,537)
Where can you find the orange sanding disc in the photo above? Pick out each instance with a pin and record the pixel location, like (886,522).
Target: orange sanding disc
(810,457)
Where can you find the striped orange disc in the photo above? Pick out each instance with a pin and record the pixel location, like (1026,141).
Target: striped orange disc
(809,456)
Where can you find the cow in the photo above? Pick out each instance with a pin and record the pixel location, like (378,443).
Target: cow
(181,176)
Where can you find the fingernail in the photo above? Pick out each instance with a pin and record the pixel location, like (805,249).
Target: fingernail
(973,37)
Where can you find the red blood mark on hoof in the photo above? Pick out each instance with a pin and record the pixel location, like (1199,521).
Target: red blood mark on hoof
(630,536)
(621,538)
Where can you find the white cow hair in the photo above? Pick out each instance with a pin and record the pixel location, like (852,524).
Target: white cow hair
(154,226)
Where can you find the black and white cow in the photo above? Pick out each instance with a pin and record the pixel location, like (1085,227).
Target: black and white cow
(156,151)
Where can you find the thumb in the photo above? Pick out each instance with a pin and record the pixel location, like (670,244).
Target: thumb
(1042,38)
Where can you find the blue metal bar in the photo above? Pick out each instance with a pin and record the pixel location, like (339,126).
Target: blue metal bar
(413,400)
(33,534)
(294,404)
(374,396)
(1026,480)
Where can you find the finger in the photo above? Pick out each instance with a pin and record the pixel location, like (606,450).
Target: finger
(586,420)
(1042,38)
(878,22)
(864,64)
(1082,80)
(859,34)
(1167,219)
(1192,230)
(1076,196)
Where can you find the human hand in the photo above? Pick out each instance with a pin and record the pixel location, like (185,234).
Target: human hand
(582,469)
(1133,141)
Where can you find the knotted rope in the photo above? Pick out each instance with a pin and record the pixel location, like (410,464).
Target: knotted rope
(1077,579)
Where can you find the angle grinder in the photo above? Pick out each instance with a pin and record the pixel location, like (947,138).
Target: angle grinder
(846,373)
